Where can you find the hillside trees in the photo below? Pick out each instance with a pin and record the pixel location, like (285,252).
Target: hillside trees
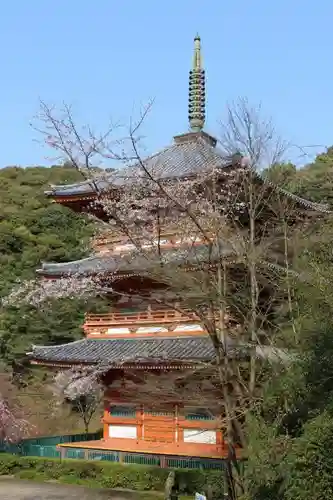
(314,181)
(290,435)
(32,230)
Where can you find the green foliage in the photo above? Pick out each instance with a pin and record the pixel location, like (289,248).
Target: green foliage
(265,469)
(32,230)
(310,462)
(290,438)
(313,182)
(281,174)
(104,474)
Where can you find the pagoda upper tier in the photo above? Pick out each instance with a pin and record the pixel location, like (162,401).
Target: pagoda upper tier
(190,154)
(194,154)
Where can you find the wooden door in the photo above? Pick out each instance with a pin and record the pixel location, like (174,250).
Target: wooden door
(159,427)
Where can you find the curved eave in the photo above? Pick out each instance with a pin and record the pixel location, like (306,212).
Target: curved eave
(71,191)
(191,155)
(316,207)
(84,198)
(125,264)
(119,267)
(120,352)
(71,199)
(117,353)
(82,267)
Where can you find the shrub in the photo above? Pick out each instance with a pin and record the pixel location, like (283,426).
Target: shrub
(310,463)
(105,475)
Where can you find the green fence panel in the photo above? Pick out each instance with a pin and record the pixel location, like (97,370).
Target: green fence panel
(35,450)
(136,458)
(14,449)
(54,440)
(109,456)
(46,446)
(194,463)
(76,453)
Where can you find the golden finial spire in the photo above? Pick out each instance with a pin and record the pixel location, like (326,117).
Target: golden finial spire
(196,107)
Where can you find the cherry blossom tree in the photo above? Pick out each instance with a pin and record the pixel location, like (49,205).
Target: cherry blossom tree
(12,426)
(80,388)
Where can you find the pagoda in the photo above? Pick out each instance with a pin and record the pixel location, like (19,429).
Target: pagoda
(136,339)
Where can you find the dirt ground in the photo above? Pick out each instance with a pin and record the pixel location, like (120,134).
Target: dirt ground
(14,489)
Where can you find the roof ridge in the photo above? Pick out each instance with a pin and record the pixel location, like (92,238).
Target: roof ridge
(99,175)
(33,346)
(138,337)
(324,207)
(45,265)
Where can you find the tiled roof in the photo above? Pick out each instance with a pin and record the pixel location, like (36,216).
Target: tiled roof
(119,263)
(190,154)
(146,350)
(180,159)
(119,351)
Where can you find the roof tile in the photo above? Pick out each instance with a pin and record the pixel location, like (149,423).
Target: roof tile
(118,351)
(178,160)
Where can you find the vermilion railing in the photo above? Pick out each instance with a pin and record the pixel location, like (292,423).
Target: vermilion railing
(144,317)
(118,244)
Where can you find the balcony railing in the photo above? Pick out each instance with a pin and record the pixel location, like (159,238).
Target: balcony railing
(120,245)
(139,318)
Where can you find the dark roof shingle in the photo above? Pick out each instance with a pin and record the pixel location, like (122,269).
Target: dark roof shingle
(113,263)
(194,154)
(119,351)
(178,160)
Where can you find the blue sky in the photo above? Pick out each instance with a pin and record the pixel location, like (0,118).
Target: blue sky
(106,58)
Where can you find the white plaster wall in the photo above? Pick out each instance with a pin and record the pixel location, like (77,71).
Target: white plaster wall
(152,329)
(123,431)
(117,331)
(189,328)
(199,436)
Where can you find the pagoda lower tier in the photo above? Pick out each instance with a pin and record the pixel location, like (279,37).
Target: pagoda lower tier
(144,337)
(144,352)
(144,431)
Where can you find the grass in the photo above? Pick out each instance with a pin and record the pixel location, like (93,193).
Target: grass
(142,481)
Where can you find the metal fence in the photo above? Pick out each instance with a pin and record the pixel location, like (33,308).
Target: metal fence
(174,462)
(47,447)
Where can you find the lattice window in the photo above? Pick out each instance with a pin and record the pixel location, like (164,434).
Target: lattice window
(159,413)
(122,411)
(198,414)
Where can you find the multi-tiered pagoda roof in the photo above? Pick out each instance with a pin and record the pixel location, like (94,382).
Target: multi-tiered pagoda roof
(190,154)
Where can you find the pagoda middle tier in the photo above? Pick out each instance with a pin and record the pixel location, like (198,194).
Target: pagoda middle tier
(110,244)
(147,323)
